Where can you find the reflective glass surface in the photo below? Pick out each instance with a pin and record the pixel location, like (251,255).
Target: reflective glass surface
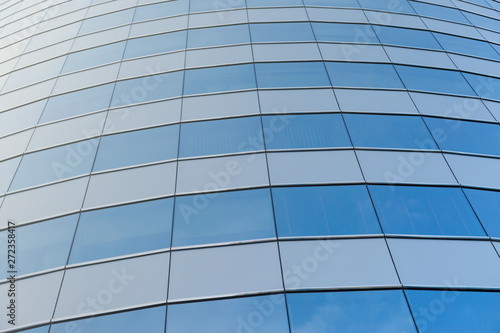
(486,204)
(221,136)
(223,217)
(154,44)
(281,32)
(424,211)
(388,131)
(107,21)
(467,46)
(291,74)
(406,37)
(440,12)
(233,34)
(138,147)
(400,6)
(305,131)
(123,230)
(226,78)
(93,57)
(381,311)
(329,3)
(162,9)
(342,32)
(324,210)
(484,86)
(363,75)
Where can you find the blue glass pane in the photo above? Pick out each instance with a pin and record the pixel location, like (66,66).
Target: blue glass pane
(138,147)
(260,314)
(162,9)
(324,210)
(221,136)
(204,5)
(486,204)
(305,131)
(42,245)
(439,12)
(232,34)
(223,217)
(151,320)
(363,75)
(123,230)
(226,78)
(330,3)
(147,88)
(379,311)
(342,32)
(437,311)
(273,3)
(55,164)
(155,44)
(399,6)
(436,80)
(467,46)
(281,32)
(388,131)
(482,21)
(107,21)
(77,103)
(406,37)
(487,87)
(418,210)
(42,329)
(463,136)
(93,57)
(291,74)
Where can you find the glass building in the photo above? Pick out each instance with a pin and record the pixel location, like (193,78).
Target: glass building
(250,166)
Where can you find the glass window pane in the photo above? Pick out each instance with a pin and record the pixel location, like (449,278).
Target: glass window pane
(153,87)
(455,311)
(77,103)
(379,311)
(204,5)
(230,315)
(273,3)
(143,320)
(324,210)
(223,217)
(226,78)
(221,136)
(388,131)
(233,34)
(7,170)
(363,75)
(123,230)
(55,164)
(43,329)
(330,3)
(281,32)
(93,57)
(341,32)
(43,245)
(406,37)
(466,46)
(424,211)
(162,9)
(399,6)
(462,136)
(106,21)
(487,87)
(292,74)
(436,80)
(139,47)
(138,147)
(439,12)
(486,204)
(305,131)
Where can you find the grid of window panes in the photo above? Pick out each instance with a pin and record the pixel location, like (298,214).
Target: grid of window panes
(251,166)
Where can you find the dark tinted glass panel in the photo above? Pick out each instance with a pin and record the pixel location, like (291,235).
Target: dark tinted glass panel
(223,217)
(388,131)
(232,34)
(221,136)
(151,320)
(467,46)
(77,103)
(291,74)
(463,136)
(305,131)
(363,75)
(406,37)
(341,32)
(324,210)
(424,211)
(138,147)
(261,314)
(207,80)
(281,32)
(123,230)
(436,80)
(486,204)
(143,46)
(381,311)
(42,245)
(455,311)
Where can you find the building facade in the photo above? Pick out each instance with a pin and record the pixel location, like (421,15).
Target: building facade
(250,166)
